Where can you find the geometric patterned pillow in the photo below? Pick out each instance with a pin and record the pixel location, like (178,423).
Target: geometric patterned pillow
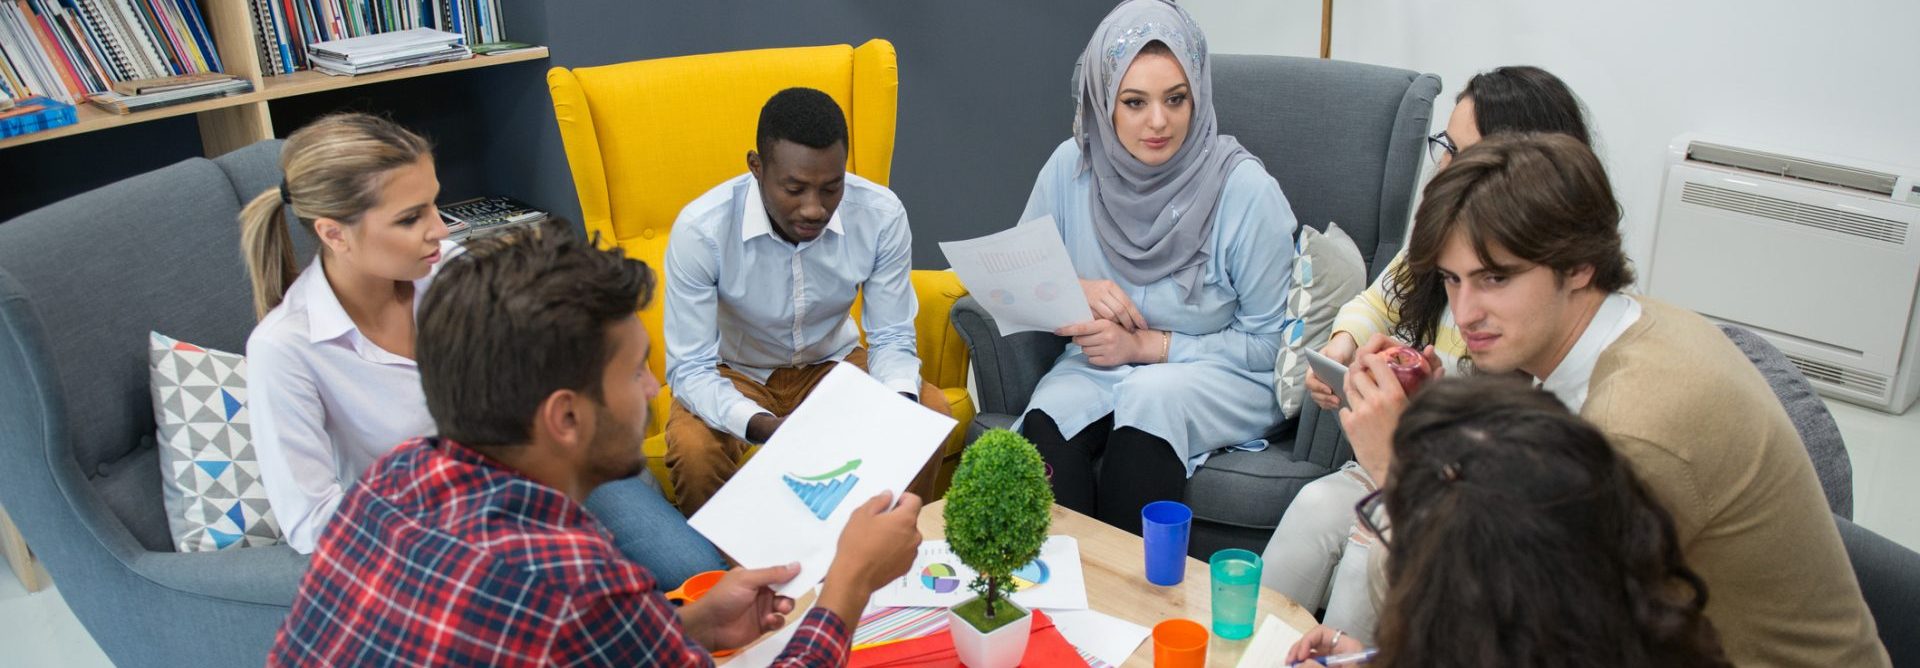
(208,470)
(1327,272)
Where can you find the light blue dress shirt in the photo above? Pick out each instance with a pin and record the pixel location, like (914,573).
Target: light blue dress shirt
(738,294)
(1216,388)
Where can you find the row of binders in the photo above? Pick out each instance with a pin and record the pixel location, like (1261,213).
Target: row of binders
(70,50)
(288,32)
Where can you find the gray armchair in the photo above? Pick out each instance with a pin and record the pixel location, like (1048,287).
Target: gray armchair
(1889,574)
(82,281)
(1889,578)
(1346,142)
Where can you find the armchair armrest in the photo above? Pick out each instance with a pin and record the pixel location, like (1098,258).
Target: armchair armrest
(263,575)
(943,356)
(1005,368)
(1320,439)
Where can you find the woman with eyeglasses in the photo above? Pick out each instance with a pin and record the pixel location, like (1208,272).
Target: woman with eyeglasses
(1521,538)
(1316,555)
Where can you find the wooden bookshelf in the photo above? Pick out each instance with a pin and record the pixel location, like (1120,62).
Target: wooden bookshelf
(229,123)
(91,118)
(304,82)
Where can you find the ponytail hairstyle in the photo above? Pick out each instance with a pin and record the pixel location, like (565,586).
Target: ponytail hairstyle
(334,168)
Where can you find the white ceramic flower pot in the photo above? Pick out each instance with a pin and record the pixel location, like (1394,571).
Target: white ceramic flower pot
(1003,648)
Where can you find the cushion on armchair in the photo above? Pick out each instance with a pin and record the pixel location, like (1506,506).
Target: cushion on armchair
(1327,272)
(208,472)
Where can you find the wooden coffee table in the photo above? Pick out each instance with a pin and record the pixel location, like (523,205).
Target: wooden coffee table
(1116,571)
(1115,568)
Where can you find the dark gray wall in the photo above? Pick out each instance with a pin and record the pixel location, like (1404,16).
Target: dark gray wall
(983,101)
(984,94)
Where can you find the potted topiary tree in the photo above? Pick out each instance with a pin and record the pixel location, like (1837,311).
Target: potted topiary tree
(998,511)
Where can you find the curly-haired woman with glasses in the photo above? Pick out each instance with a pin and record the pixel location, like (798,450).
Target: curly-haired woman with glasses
(1517,98)
(1520,538)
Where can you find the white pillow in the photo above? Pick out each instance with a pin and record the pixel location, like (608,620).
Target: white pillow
(208,470)
(1327,273)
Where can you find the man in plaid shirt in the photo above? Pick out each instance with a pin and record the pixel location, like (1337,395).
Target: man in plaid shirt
(472,548)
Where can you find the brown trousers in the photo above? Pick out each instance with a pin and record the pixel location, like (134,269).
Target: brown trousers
(701,459)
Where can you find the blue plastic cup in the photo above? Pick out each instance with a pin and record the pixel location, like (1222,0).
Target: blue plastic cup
(1164,528)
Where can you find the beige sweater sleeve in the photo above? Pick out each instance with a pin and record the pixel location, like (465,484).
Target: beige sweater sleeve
(1672,482)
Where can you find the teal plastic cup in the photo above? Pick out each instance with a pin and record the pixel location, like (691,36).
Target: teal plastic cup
(1236,592)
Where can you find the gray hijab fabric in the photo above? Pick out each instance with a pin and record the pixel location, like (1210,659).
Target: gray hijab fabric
(1152,221)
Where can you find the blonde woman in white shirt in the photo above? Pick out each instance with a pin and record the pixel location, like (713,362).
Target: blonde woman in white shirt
(332,380)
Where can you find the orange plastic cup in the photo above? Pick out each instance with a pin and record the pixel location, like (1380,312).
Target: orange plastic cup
(696,587)
(1179,643)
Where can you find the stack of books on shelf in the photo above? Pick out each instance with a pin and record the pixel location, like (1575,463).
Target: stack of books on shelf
(33,115)
(71,50)
(386,51)
(286,31)
(486,216)
(131,96)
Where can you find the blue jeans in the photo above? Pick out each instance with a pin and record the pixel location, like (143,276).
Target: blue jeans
(652,532)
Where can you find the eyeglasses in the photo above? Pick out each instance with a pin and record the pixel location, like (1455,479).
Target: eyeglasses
(1440,145)
(1370,506)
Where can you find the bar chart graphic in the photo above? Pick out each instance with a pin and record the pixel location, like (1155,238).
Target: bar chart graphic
(823,493)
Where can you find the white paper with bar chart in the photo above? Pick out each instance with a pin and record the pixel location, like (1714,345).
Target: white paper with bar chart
(1023,275)
(852,438)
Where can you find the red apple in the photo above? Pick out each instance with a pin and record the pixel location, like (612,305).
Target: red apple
(1409,366)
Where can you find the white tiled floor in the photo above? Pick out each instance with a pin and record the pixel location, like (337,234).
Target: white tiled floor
(38,630)
(1885,450)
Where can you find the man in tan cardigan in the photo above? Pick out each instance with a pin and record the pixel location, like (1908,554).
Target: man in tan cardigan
(1519,238)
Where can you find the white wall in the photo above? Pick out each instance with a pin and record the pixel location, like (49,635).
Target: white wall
(1837,77)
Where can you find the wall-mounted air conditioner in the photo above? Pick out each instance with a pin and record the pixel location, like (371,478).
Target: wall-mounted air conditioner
(1816,254)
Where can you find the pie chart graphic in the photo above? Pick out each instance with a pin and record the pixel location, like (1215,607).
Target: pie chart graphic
(940,578)
(1031,575)
(1046,292)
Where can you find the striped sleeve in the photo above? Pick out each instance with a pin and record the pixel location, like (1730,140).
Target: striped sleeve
(1371,312)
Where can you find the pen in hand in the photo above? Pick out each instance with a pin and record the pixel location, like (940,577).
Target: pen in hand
(1348,659)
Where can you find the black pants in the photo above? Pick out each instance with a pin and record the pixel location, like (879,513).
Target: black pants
(1135,468)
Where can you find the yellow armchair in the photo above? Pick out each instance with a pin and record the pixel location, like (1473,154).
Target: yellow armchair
(645,138)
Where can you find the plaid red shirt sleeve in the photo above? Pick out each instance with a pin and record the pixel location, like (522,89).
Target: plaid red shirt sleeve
(441,557)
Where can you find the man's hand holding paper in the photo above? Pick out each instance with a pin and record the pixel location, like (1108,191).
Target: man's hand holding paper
(852,439)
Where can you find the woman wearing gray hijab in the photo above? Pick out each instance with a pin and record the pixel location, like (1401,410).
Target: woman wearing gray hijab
(1183,244)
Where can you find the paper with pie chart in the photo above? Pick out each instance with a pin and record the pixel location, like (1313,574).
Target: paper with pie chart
(851,439)
(938,579)
(1023,276)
